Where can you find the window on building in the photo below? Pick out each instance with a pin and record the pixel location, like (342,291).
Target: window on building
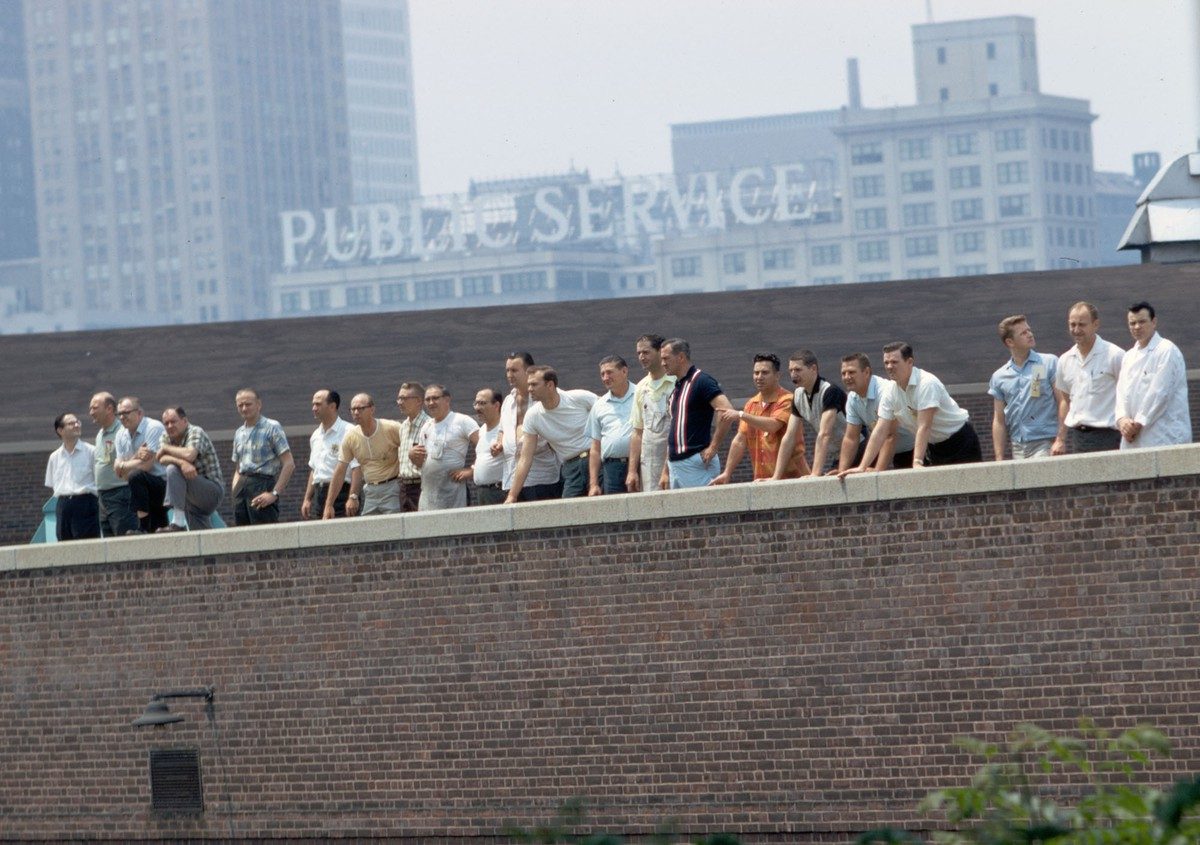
(391,293)
(826,254)
(991,49)
(1012,173)
(965,242)
(919,214)
(923,273)
(962,143)
(1016,205)
(866,219)
(916,182)
(874,277)
(358,296)
(873,251)
(941,55)
(569,280)
(734,263)
(915,149)
(826,280)
(782,258)
(318,299)
(289,303)
(970,269)
(968,209)
(866,186)
(533,280)
(1023,266)
(866,152)
(969,176)
(1010,139)
(944,94)
(993,89)
(685,267)
(921,245)
(780,283)
(433,289)
(476,285)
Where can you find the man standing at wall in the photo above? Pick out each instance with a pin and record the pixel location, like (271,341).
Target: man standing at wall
(649,418)
(1087,385)
(544,480)
(761,424)
(324,448)
(116,513)
(692,446)
(263,461)
(917,402)
(863,391)
(558,417)
(411,401)
(137,443)
(441,450)
(1025,400)
(487,472)
(608,426)
(195,486)
(822,405)
(374,445)
(71,474)
(1152,391)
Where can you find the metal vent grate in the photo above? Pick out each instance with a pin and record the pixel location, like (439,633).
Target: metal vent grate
(175,784)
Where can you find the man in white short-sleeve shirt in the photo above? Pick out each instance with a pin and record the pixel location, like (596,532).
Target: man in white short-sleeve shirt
(487,473)
(324,450)
(1087,384)
(560,418)
(441,452)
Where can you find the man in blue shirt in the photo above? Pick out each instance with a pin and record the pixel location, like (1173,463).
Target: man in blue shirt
(1025,410)
(263,460)
(608,426)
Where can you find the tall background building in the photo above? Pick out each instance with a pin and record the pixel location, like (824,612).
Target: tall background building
(379,100)
(167,137)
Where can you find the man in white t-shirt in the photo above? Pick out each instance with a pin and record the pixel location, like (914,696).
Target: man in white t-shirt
(560,418)
(441,452)
(544,480)
(487,473)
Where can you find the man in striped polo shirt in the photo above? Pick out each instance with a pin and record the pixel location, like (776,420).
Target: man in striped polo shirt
(692,459)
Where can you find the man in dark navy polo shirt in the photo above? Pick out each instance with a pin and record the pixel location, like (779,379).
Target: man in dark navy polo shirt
(692,459)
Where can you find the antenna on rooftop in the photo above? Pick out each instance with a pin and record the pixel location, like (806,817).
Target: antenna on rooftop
(928,11)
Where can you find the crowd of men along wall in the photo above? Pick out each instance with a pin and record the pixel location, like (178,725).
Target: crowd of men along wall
(730,660)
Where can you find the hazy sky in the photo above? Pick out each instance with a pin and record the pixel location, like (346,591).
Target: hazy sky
(525,87)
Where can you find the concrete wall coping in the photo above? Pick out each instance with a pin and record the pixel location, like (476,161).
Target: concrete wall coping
(1133,465)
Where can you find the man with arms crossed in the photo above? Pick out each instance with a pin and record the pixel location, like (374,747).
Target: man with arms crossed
(1025,400)
(692,446)
(195,486)
(71,474)
(822,405)
(324,449)
(649,418)
(1152,393)
(1087,385)
(560,418)
(761,424)
(608,427)
(863,391)
(374,445)
(137,443)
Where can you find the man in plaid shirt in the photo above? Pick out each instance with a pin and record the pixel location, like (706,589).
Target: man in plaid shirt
(264,463)
(195,486)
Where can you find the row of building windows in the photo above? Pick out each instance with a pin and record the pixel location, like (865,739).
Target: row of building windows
(392,293)
(922,181)
(957,144)
(925,213)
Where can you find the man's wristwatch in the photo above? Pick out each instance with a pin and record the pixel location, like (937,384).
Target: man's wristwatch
(353,496)
(275,493)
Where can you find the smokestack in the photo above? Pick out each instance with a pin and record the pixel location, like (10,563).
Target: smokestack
(854,89)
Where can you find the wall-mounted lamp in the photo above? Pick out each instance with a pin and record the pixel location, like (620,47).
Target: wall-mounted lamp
(157,712)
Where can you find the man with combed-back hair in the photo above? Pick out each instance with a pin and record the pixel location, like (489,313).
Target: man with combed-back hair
(1025,400)
(1087,385)
(1152,391)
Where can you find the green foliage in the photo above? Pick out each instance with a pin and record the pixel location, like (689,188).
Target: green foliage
(1006,802)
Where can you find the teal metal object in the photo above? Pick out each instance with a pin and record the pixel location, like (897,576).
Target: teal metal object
(47,531)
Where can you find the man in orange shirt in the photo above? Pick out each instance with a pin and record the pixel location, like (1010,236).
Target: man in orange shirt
(761,424)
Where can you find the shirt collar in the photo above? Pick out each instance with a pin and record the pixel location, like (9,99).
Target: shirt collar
(816,386)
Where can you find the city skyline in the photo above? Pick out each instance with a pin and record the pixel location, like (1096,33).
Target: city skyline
(546,86)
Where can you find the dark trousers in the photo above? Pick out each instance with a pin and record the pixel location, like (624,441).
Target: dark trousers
(612,475)
(410,495)
(247,488)
(900,460)
(489,494)
(146,493)
(1084,438)
(77,517)
(117,516)
(321,491)
(574,477)
(541,492)
(961,447)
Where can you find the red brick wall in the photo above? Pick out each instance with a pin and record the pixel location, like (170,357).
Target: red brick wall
(795,675)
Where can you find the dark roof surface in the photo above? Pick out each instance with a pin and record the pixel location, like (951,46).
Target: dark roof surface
(950,322)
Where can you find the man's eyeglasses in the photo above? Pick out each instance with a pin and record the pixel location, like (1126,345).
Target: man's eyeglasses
(127,413)
(435,398)
(360,407)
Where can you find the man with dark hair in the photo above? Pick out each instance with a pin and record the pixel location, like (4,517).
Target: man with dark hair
(137,443)
(441,452)
(649,418)
(117,516)
(374,444)
(263,462)
(71,474)
(1152,392)
(487,473)
(820,403)
(917,401)
(608,427)
(1025,400)
(411,401)
(692,459)
(324,449)
(544,480)
(559,417)
(194,483)
(761,424)
(1087,385)
(863,391)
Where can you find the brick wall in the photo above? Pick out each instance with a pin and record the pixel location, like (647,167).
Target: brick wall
(795,674)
